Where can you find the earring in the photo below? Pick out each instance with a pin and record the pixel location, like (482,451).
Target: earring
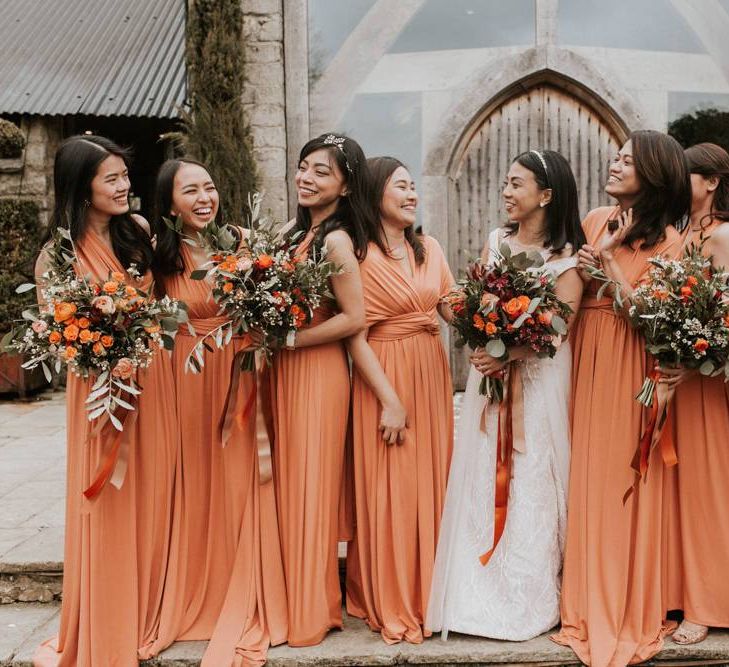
(87,203)
(542,204)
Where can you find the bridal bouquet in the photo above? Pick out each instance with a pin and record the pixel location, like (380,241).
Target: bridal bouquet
(102,330)
(682,311)
(262,284)
(508,303)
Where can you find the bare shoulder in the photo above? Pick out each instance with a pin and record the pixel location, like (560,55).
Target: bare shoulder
(720,236)
(338,238)
(142,222)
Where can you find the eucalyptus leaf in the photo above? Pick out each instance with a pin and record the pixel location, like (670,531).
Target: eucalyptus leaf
(46,371)
(496,348)
(199,274)
(25,287)
(100,380)
(520,320)
(533,304)
(559,325)
(707,368)
(115,420)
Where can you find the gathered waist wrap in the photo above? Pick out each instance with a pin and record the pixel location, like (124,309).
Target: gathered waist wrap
(404,326)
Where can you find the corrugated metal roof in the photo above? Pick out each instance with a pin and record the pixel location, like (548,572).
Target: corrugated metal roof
(95,57)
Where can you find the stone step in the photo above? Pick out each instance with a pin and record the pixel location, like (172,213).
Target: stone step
(24,626)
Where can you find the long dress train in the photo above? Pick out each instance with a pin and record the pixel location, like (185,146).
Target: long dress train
(515,595)
(400,489)
(117,545)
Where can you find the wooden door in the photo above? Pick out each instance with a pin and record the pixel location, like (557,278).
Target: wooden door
(541,117)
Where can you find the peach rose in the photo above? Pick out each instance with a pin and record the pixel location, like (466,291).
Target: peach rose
(488,299)
(85,336)
(63,311)
(123,369)
(479,322)
(118,276)
(95,336)
(105,304)
(701,345)
(111,286)
(513,308)
(83,322)
(70,352)
(54,337)
(130,291)
(491,328)
(70,332)
(99,349)
(493,316)
(107,341)
(227,287)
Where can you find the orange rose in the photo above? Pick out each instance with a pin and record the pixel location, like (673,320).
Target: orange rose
(299,316)
(264,261)
(686,292)
(130,291)
(85,336)
(660,294)
(54,337)
(111,286)
(70,352)
(83,322)
(692,281)
(63,311)
(479,322)
(70,332)
(107,341)
(726,320)
(524,302)
(227,287)
(493,316)
(701,345)
(514,307)
(491,328)
(98,349)
(95,336)
(118,276)
(123,369)
(545,317)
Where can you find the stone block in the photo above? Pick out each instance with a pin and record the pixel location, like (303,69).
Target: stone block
(9,184)
(268,94)
(35,156)
(266,74)
(263,52)
(269,137)
(262,6)
(271,162)
(272,28)
(35,182)
(265,115)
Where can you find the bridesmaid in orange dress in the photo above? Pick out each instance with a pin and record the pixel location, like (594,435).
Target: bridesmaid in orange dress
(701,416)
(403,415)
(116,544)
(612,604)
(312,388)
(225,580)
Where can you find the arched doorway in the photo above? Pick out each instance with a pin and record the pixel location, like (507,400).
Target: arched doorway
(546,114)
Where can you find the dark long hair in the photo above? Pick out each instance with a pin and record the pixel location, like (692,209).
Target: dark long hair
(167,258)
(380,170)
(352,211)
(76,164)
(665,187)
(563,211)
(710,160)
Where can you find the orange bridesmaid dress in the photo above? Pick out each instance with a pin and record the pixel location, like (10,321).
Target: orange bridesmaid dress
(400,489)
(311,410)
(612,604)
(701,417)
(225,581)
(117,544)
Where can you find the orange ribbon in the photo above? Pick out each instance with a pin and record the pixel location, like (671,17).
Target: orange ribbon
(114,464)
(510,437)
(654,435)
(232,415)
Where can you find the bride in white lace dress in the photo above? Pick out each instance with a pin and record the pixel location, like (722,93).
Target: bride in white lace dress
(515,596)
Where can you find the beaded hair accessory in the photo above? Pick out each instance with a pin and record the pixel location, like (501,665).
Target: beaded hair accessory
(334,140)
(542,160)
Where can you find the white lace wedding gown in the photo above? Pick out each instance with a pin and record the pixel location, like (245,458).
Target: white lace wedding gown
(516,595)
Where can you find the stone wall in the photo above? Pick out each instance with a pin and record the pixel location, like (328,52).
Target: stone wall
(32,177)
(264,97)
